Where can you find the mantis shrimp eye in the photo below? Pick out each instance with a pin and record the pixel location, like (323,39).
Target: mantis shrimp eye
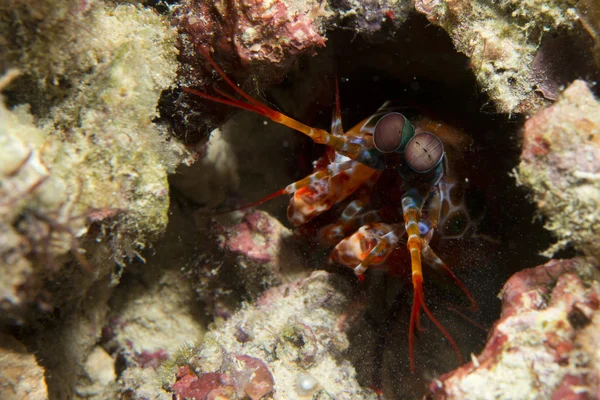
(388,132)
(424,152)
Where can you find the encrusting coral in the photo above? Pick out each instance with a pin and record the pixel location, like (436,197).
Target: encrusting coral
(267,36)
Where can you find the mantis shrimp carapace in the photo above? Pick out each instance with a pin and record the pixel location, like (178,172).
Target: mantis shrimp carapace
(417,153)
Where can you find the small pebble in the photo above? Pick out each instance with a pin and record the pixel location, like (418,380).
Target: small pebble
(305,384)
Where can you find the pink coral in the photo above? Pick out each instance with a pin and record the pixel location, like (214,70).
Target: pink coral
(206,387)
(252,377)
(242,376)
(256,237)
(271,32)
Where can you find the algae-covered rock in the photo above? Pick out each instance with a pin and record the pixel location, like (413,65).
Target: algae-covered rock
(560,162)
(289,344)
(541,348)
(501,38)
(89,153)
(83,176)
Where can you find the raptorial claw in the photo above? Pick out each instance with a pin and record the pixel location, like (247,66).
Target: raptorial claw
(370,245)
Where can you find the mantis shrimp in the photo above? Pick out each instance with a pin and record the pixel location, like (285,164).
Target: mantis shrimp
(418,203)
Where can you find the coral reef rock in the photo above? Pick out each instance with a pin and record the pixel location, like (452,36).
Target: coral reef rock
(154,310)
(501,38)
(83,174)
(215,174)
(76,158)
(369,17)
(560,162)
(272,33)
(545,344)
(289,345)
(589,12)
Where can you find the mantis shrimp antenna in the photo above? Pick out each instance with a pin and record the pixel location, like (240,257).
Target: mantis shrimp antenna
(351,150)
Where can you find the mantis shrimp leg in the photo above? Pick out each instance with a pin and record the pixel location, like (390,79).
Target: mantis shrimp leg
(319,176)
(379,253)
(429,256)
(412,202)
(333,233)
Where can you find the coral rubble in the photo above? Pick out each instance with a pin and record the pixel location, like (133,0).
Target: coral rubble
(289,344)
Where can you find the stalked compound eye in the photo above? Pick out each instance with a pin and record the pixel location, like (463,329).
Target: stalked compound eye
(424,152)
(387,136)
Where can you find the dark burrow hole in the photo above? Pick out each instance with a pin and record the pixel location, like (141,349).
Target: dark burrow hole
(421,69)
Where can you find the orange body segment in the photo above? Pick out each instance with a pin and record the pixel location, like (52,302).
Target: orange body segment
(320,196)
